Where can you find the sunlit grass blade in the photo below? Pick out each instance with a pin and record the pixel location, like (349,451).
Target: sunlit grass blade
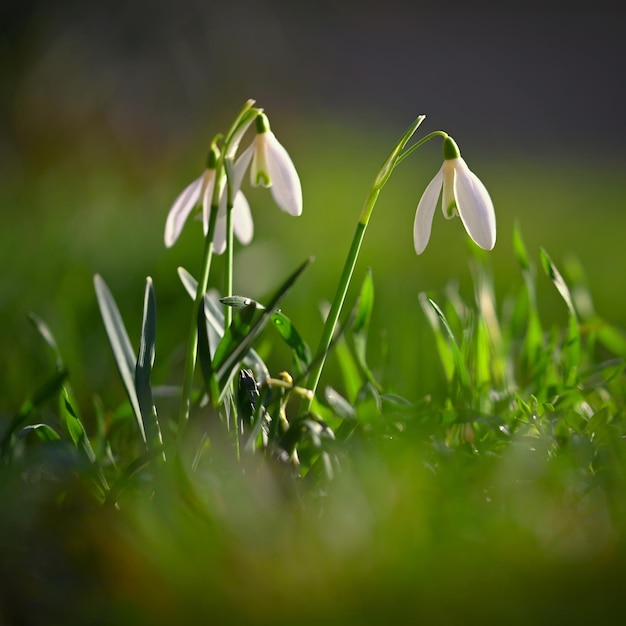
(353,375)
(489,345)
(120,344)
(533,356)
(459,368)
(361,324)
(572,346)
(143,368)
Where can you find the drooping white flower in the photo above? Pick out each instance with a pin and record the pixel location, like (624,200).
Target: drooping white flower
(272,167)
(463,194)
(185,203)
(200,191)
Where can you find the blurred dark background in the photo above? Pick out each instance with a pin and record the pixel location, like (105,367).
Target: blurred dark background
(107,109)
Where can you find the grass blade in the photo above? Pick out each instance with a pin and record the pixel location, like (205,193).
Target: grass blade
(215,325)
(120,344)
(143,368)
(47,390)
(291,336)
(225,367)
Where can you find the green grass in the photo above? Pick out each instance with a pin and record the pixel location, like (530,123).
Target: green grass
(468,466)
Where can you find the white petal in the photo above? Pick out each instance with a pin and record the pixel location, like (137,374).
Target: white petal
(241,165)
(242,224)
(475,206)
(182,207)
(425,211)
(284,178)
(219,236)
(242,219)
(448,199)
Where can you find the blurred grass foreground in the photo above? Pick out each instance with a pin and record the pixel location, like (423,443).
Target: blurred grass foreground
(463,461)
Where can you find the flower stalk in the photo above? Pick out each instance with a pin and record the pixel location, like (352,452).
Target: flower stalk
(332,319)
(246,116)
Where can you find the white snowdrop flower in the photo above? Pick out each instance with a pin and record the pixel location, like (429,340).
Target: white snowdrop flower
(463,194)
(272,167)
(200,191)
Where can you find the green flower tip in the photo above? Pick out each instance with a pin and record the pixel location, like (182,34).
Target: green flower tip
(212,157)
(262,124)
(450,149)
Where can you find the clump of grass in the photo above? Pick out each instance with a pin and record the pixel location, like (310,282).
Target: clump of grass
(268,501)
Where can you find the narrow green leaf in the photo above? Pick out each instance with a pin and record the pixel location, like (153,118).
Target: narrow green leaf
(143,368)
(286,329)
(120,344)
(572,346)
(364,305)
(43,329)
(459,364)
(226,366)
(520,249)
(339,405)
(443,346)
(215,324)
(235,333)
(49,389)
(239,302)
(555,276)
(207,343)
(44,432)
(75,428)
(353,375)
(360,328)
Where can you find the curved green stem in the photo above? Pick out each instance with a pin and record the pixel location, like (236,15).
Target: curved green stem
(421,142)
(395,156)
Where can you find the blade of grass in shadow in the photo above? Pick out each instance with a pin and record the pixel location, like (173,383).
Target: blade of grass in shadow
(44,432)
(225,366)
(44,330)
(291,336)
(143,368)
(120,344)
(215,325)
(48,389)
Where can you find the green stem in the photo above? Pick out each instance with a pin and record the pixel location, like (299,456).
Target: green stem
(335,311)
(228,279)
(421,142)
(330,325)
(192,342)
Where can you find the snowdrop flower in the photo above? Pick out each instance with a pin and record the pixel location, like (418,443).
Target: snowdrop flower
(463,195)
(200,191)
(272,167)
